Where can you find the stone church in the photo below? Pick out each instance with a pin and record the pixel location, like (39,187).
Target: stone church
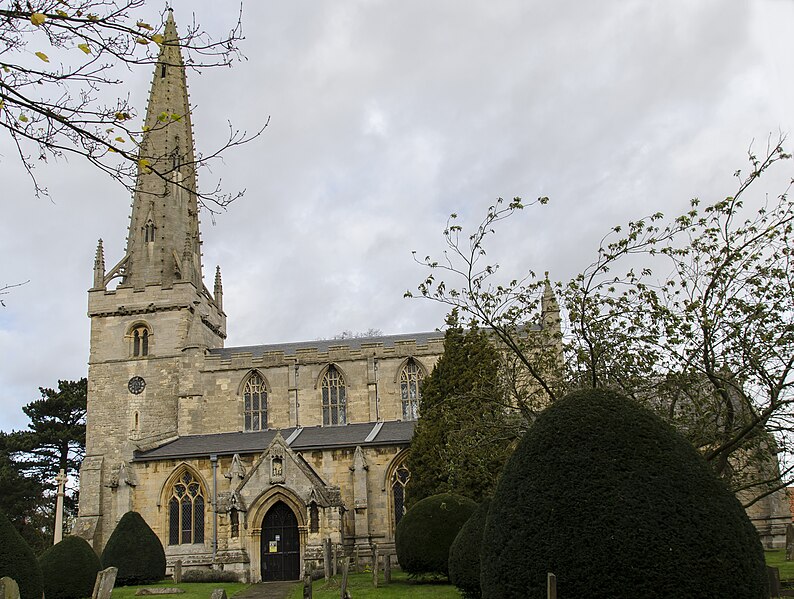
(246,458)
(249,458)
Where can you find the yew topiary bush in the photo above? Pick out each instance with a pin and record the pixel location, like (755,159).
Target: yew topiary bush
(69,569)
(618,505)
(464,554)
(136,551)
(426,531)
(18,562)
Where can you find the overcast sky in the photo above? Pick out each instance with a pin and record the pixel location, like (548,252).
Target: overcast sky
(385,118)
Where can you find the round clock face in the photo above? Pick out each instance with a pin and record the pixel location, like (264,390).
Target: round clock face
(136,385)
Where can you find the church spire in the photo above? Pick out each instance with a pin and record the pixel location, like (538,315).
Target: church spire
(163,243)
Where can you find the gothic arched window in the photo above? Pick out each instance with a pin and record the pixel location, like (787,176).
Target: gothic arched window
(399,480)
(410,377)
(255,403)
(314,517)
(334,400)
(148,231)
(186,511)
(140,341)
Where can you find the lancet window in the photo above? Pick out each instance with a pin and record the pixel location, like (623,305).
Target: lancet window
(334,398)
(148,231)
(140,341)
(399,480)
(186,511)
(255,403)
(410,377)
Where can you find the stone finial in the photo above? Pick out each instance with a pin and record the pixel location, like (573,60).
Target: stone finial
(218,289)
(99,267)
(550,309)
(236,470)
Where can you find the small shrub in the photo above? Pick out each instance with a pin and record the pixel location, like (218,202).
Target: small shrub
(464,554)
(209,576)
(69,569)
(136,551)
(618,505)
(18,562)
(426,532)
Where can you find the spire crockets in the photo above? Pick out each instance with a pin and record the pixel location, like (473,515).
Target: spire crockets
(163,242)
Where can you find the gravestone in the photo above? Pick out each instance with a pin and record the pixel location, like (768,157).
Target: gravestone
(105,579)
(375,565)
(159,591)
(327,558)
(307,586)
(218,594)
(387,568)
(789,542)
(343,594)
(773,575)
(178,571)
(551,586)
(9,589)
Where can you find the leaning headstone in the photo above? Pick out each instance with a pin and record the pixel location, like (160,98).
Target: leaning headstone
(773,575)
(9,589)
(218,594)
(105,579)
(551,586)
(178,571)
(789,542)
(387,568)
(159,591)
(307,586)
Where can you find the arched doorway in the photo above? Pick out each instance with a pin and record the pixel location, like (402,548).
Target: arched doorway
(281,550)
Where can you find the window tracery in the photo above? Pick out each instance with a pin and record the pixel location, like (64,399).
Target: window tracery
(410,377)
(140,341)
(399,481)
(186,511)
(255,403)
(334,397)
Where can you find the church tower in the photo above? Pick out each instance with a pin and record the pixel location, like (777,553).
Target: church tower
(150,333)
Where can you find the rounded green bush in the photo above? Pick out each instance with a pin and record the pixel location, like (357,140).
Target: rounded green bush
(617,505)
(69,569)
(426,531)
(136,551)
(18,562)
(464,554)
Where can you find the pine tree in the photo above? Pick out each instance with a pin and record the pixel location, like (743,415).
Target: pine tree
(452,450)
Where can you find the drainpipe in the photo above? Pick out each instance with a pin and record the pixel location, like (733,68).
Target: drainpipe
(214,460)
(297,403)
(377,397)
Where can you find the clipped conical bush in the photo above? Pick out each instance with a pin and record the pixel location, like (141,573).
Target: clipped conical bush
(464,554)
(426,531)
(617,505)
(69,569)
(18,562)
(136,551)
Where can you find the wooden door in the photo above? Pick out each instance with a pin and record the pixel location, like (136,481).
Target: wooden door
(281,552)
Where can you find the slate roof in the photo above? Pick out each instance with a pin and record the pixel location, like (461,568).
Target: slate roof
(309,438)
(323,345)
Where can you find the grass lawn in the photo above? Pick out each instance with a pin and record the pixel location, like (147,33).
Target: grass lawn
(193,590)
(777,559)
(360,586)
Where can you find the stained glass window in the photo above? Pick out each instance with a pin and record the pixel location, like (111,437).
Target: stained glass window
(399,480)
(334,400)
(410,377)
(186,512)
(255,400)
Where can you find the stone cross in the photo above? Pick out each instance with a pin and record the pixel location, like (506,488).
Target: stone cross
(61,480)
(104,583)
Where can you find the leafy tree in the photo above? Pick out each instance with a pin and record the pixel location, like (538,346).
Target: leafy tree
(22,500)
(55,440)
(60,61)
(463,434)
(693,315)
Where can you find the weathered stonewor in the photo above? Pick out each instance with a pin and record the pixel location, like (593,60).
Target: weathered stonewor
(105,580)
(9,589)
(387,568)
(160,591)
(789,542)
(218,594)
(551,586)
(773,576)
(327,558)
(307,586)
(375,565)
(178,571)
